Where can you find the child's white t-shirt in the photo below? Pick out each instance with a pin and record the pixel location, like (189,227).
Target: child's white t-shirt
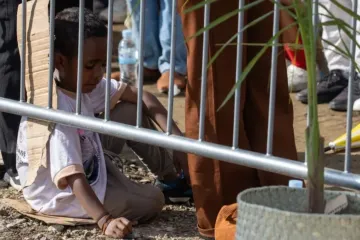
(70,151)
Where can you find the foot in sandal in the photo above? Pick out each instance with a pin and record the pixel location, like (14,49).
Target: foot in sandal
(164,82)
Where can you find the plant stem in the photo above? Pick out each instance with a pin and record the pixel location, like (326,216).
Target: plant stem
(315,184)
(314,146)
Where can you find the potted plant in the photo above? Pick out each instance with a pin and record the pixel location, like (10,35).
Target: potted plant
(289,213)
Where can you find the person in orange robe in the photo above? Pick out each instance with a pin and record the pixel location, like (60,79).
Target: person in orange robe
(216,183)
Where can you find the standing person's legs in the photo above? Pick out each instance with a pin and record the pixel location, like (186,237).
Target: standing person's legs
(332,34)
(213,180)
(10,81)
(165,24)
(256,111)
(152,49)
(337,61)
(333,88)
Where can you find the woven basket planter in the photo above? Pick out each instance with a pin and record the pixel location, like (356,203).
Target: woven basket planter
(280,213)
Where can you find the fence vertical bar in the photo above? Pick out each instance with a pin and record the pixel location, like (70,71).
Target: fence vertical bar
(172,68)
(204,72)
(315,19)
(80,57)
(239,56)
(23,53)
(51,53)
(273,75)
(108,59)
(141,64)
(347,167)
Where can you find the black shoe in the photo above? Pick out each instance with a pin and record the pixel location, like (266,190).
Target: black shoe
(328,88)
(339,103)
(2,171)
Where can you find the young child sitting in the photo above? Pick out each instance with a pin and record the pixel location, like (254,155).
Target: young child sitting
(80,180)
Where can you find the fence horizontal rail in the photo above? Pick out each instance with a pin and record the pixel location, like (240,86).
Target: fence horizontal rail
(225,153)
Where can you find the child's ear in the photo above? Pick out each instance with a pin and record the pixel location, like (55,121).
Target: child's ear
(59,62)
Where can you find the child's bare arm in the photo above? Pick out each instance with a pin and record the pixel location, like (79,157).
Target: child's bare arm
(153,108)
(86,196)
(119,227)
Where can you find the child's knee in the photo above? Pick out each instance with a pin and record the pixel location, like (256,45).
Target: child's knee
(124,112)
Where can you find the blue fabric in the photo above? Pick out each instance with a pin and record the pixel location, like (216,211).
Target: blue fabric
(157,38)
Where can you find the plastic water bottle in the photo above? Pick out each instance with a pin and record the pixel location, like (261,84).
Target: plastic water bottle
(128,58)
(295,184)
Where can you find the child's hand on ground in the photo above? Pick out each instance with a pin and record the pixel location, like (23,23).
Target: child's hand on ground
(118,228)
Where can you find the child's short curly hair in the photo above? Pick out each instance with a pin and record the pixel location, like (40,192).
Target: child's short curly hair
(67,30)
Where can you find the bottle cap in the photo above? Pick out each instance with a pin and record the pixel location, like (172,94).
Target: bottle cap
(295,184)
(127,34)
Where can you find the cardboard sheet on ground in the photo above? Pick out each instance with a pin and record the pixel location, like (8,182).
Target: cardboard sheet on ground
(22,207)
(36,80)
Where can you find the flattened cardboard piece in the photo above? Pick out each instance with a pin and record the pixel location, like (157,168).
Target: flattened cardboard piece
(22,207)
(36,79)
(336,205)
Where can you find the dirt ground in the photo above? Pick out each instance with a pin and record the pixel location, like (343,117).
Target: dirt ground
(175,221)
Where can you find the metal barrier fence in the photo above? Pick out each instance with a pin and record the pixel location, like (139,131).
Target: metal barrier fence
(233,154)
